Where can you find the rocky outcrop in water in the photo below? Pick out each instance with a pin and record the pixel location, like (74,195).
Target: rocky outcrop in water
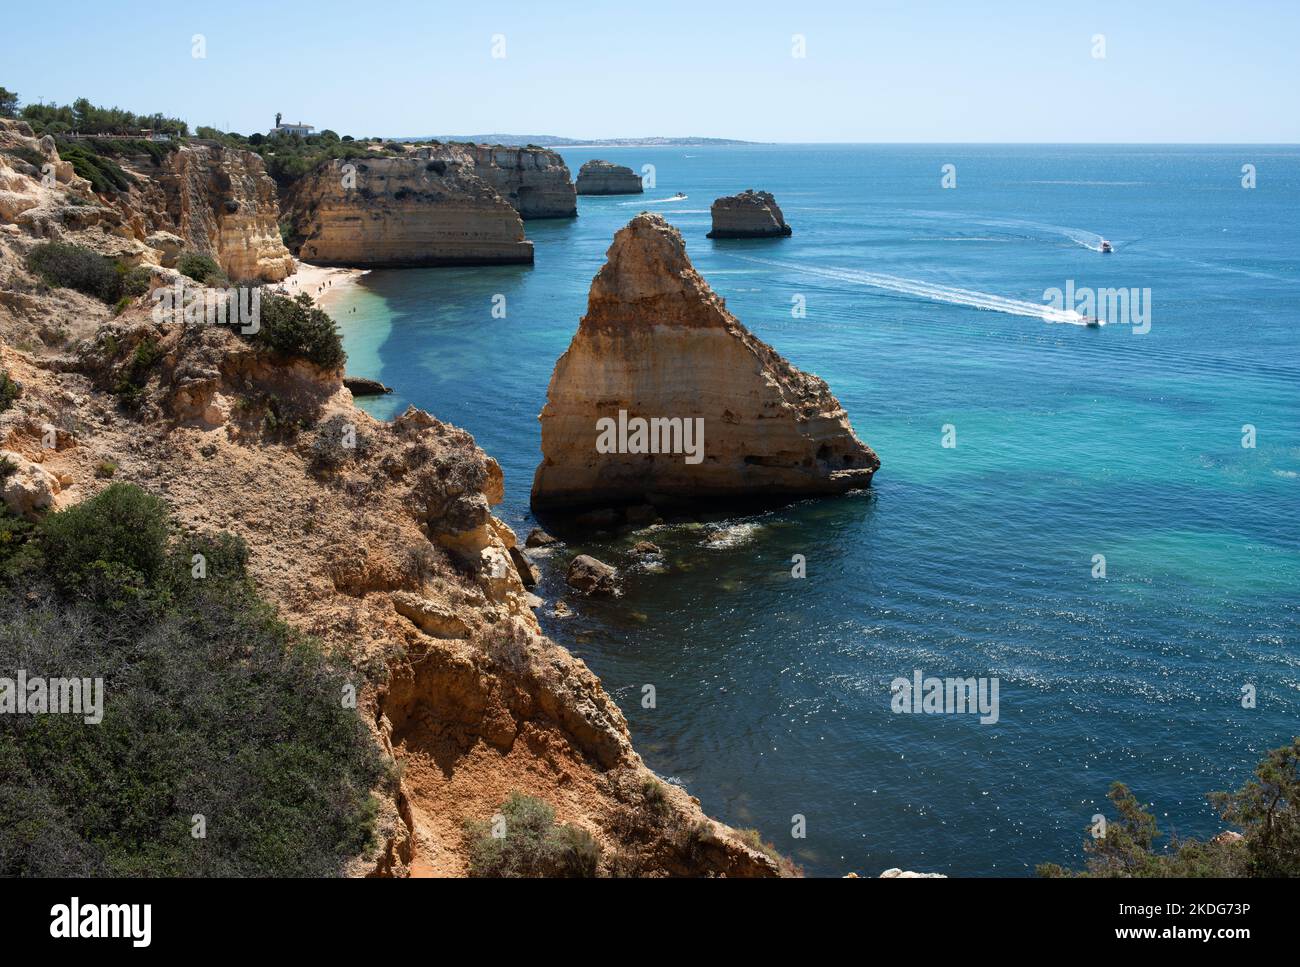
(364,386)
(607,178)
(402,212)
(751,214)
(664,395)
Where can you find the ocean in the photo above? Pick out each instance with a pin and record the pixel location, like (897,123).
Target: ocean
(923,308)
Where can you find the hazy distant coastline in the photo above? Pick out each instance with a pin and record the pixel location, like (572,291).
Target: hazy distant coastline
(554,141)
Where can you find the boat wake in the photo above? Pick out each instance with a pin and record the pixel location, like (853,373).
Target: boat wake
(655,201)
(1079,236)
(934,292)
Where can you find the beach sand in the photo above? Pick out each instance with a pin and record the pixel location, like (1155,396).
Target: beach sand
(325,285)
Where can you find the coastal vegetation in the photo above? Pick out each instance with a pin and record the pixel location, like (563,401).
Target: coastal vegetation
(67,265)
(523,840)
(1266,810)
(226,745)
(201,268)
(289,157)
(296,327)
(83,117)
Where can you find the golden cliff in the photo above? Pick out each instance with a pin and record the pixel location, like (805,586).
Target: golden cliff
(221,202)
(664,395)
(198,197)
(401,212)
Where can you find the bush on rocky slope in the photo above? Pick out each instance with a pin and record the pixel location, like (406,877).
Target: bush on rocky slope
(62,264)
(524,840)
(296,327)
(216,717)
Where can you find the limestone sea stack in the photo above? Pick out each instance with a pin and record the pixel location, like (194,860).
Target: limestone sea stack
(607,178)
(751,214)
(664,396)
(401,212)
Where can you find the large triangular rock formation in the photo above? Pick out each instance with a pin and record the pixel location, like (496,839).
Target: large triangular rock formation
(664,394)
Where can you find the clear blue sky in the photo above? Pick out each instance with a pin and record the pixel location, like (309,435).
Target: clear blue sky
(905,70)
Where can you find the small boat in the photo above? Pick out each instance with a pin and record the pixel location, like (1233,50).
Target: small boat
(1092,322)
(680,195)
(1105,247)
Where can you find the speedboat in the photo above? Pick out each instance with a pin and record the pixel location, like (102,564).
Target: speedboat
(1105,247)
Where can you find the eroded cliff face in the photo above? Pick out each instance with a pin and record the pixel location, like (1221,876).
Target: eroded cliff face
(221,202)
(723,415)
(534,181)
(400,212)
(387,550)
(201,198)
(751,214)
(607,178)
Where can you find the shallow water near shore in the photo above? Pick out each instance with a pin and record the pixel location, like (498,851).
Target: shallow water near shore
(773,692)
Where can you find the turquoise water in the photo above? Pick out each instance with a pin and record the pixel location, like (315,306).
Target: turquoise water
(773,693)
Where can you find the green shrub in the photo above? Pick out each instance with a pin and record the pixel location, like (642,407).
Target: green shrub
(15,531)
(532,844)
(104,174)
(119,535)
(296,327)
(212,708)
(135,280)
(77,267)
(9,391)
(129,387)
(201,268)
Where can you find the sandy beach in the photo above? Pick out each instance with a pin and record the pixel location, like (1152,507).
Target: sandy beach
(325,285)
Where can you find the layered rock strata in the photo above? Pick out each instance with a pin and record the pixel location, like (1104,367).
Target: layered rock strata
(751,214)
(664,395)
(534,181)
(402,212)
(607,178)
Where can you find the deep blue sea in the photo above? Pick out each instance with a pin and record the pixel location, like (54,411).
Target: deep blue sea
(773,693)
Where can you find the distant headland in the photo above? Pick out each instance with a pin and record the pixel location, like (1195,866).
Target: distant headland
(555,141)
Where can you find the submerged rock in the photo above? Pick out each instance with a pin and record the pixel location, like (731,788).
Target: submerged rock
(607,178)
(663,395)
(751,214)
(590,576)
